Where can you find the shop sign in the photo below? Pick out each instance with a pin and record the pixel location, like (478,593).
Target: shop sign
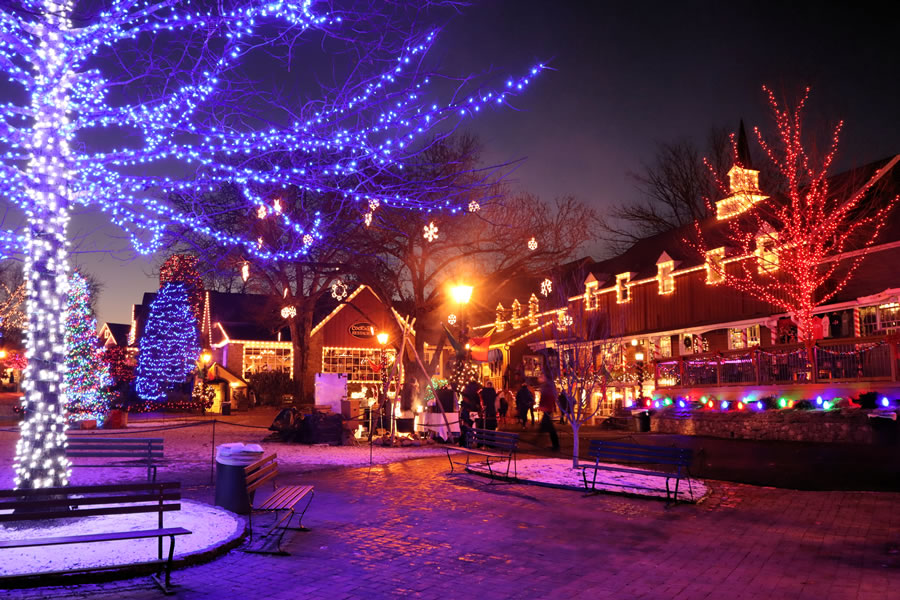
(362,330)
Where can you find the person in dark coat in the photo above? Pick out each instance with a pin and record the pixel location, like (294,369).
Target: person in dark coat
(563,407)
(524,403)
(489,405)
(470,404)
(549,399)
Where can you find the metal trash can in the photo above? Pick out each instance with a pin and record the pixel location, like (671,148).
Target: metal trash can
(641,420)
(226,409)
(231,486)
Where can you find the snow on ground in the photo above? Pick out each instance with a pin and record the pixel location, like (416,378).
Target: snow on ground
(211,528)
(558,472)
(190,443)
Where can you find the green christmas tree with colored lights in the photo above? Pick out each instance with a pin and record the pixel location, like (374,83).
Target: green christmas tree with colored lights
(87,373)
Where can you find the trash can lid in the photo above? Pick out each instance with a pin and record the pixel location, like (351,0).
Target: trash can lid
(238,454)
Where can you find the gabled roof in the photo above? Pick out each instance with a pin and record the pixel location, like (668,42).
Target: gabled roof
(117,334)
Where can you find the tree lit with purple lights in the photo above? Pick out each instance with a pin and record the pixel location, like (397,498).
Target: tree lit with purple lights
(115,106)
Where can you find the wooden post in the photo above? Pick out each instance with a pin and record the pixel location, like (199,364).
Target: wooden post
(756,367)
(893,347)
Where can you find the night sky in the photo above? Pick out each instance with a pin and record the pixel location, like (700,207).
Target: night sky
(630,75)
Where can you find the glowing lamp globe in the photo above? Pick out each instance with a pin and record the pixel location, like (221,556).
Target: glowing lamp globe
(382,338)
(461,293)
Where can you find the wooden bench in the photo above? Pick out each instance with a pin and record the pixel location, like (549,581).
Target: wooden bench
(679,458)
(284,499)
(489,444)
(129,452)
(48,504)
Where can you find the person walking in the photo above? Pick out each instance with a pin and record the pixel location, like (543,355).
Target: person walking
(524,403)
(549,398)
(504,407)
(489,405)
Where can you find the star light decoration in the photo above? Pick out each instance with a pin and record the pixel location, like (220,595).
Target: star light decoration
(451,319)
(339,290)
(546,287)
(430,232)
(532,244)
(76,73)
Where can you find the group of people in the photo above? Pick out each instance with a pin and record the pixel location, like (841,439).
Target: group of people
(484,405)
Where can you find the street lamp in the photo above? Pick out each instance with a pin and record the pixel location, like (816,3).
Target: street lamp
(461,293)
(382,397)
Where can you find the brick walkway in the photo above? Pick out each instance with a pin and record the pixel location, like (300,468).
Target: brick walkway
(413,530)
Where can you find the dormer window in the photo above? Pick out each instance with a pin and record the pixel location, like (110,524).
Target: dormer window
(516,314)
(664,268)
(533,310)
(767,252)
(622,294)
(715,269)
(499,322)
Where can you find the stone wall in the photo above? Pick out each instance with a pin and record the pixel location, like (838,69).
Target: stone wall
(838,426)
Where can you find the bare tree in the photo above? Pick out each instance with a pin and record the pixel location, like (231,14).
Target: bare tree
(674,189)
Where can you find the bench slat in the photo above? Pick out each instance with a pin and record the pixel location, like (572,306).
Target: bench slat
(90,489)
(289,497)
(31,503)
(89,512)
(96,537)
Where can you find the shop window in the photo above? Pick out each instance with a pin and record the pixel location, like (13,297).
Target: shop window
(868,320)
(260,359)
(665,346)
(355,362)
(889,317)
(743,337)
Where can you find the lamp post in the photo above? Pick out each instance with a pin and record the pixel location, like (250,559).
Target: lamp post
(382,397)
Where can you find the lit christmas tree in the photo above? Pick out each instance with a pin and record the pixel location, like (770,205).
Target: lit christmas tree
(87,373)
(169,346)
(182,268)
(119,105)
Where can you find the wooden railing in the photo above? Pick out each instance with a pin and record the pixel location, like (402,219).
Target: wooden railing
(838,360)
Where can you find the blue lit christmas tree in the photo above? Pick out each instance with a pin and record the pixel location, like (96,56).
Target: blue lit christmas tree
(121,105)
(170,345)
(87,373)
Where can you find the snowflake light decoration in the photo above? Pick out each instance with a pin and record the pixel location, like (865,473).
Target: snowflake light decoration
(307,240)
(261,212)
(374,203)
(288,312)
(451,319)
(431,232)
(276,206)
(546,287)
(532,244)
(339,290)
(245,271)
(368,219)
(474,206)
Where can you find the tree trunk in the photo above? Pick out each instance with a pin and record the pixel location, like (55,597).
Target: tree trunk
(40,452)
(300,327)
(575,427)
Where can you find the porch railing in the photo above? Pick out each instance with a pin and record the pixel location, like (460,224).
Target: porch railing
(839,360)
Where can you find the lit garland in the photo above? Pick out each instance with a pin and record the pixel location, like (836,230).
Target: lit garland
(52,56)
(87,373)
(203,395)
(169,347)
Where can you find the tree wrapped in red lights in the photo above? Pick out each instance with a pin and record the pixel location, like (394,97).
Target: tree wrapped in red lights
(182,268)
(87,374)
(798,248)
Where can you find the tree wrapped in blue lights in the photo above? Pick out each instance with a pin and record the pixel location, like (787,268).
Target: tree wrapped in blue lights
(118,108)
(87,372)
(170,345)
